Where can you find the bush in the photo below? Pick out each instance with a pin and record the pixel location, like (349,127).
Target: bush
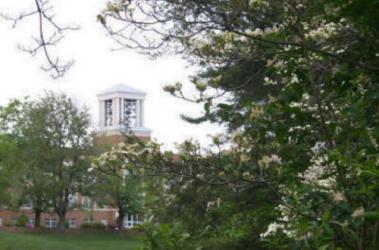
(22,221)
(95,225)
(166,237)
(113,227)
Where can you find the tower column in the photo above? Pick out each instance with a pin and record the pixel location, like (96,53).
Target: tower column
(116,112)
(138,113)
(122,115)
(102,114)
(142,113)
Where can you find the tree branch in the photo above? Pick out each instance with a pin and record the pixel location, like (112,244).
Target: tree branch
(44,41)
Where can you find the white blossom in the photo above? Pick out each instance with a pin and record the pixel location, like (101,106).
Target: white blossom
(269,82)
(324,32)
(359,212)
(318,147)
(267,160)
(338,197)
(272,229)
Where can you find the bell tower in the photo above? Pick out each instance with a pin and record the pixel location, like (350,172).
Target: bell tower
(121,110)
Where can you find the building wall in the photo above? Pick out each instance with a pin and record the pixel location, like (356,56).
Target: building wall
(106,216)
(103,141)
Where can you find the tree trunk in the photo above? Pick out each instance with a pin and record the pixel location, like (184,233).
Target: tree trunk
(120,219)
(62,219)
(61,209)
(37,217)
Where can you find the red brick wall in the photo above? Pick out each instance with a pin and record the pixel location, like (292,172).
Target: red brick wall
(102,141)
(78,215)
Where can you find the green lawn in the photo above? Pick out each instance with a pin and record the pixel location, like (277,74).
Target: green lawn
(13,241)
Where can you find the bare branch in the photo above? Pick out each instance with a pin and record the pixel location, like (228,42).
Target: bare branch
(45,40)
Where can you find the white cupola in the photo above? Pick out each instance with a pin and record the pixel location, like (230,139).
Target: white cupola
(122,109)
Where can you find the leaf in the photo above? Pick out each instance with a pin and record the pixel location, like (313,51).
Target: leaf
(372,215)
(324,247)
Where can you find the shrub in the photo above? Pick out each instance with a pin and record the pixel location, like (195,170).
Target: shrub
(113,227)
(95,225)
(98,226)
(22,221)
(166,237)
(86,226)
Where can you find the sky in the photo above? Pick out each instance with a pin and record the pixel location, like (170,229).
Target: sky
(96,68)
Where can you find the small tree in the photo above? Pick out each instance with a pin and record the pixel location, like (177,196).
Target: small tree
(116,182)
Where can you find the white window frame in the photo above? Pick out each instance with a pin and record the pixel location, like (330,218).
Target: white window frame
(52,223)
(1,222)
(104,222)
(88,220)
(72,223)
(131,221)
(88,203)
(30,222)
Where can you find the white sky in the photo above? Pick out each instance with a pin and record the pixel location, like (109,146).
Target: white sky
(96,69)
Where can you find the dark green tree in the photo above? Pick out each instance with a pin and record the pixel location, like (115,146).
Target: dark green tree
(295,83)
(54,141)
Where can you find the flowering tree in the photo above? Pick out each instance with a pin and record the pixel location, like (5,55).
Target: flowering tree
(295,83)
(117,181)
(298,81)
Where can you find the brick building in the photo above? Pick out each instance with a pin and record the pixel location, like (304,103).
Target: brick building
(120,107)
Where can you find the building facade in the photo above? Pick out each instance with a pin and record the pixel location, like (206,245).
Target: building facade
(121,110)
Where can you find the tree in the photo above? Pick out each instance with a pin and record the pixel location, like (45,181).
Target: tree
(295,83)
(8,151)
(69,140)
(54,141)
(25,155)
(298,81)
(116,182)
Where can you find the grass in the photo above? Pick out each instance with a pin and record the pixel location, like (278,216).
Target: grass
(25,241)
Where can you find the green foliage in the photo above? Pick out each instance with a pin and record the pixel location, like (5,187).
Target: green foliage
(51,138)
(117,183)
(296,85)
(95,225)
(166,237)
(22,220)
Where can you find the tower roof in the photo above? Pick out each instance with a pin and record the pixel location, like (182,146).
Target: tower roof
(121,89)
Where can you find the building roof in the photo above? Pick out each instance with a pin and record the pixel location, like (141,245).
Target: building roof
(122,88)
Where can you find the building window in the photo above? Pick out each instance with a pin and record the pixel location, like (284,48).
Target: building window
(72,200)
(72,223)
(14,221)
(130,113)
(87,203)
(31,222)
(50,223)
(108,113)
(88,220)
(28,205)
(104,222)
(1,222)
(131,221)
